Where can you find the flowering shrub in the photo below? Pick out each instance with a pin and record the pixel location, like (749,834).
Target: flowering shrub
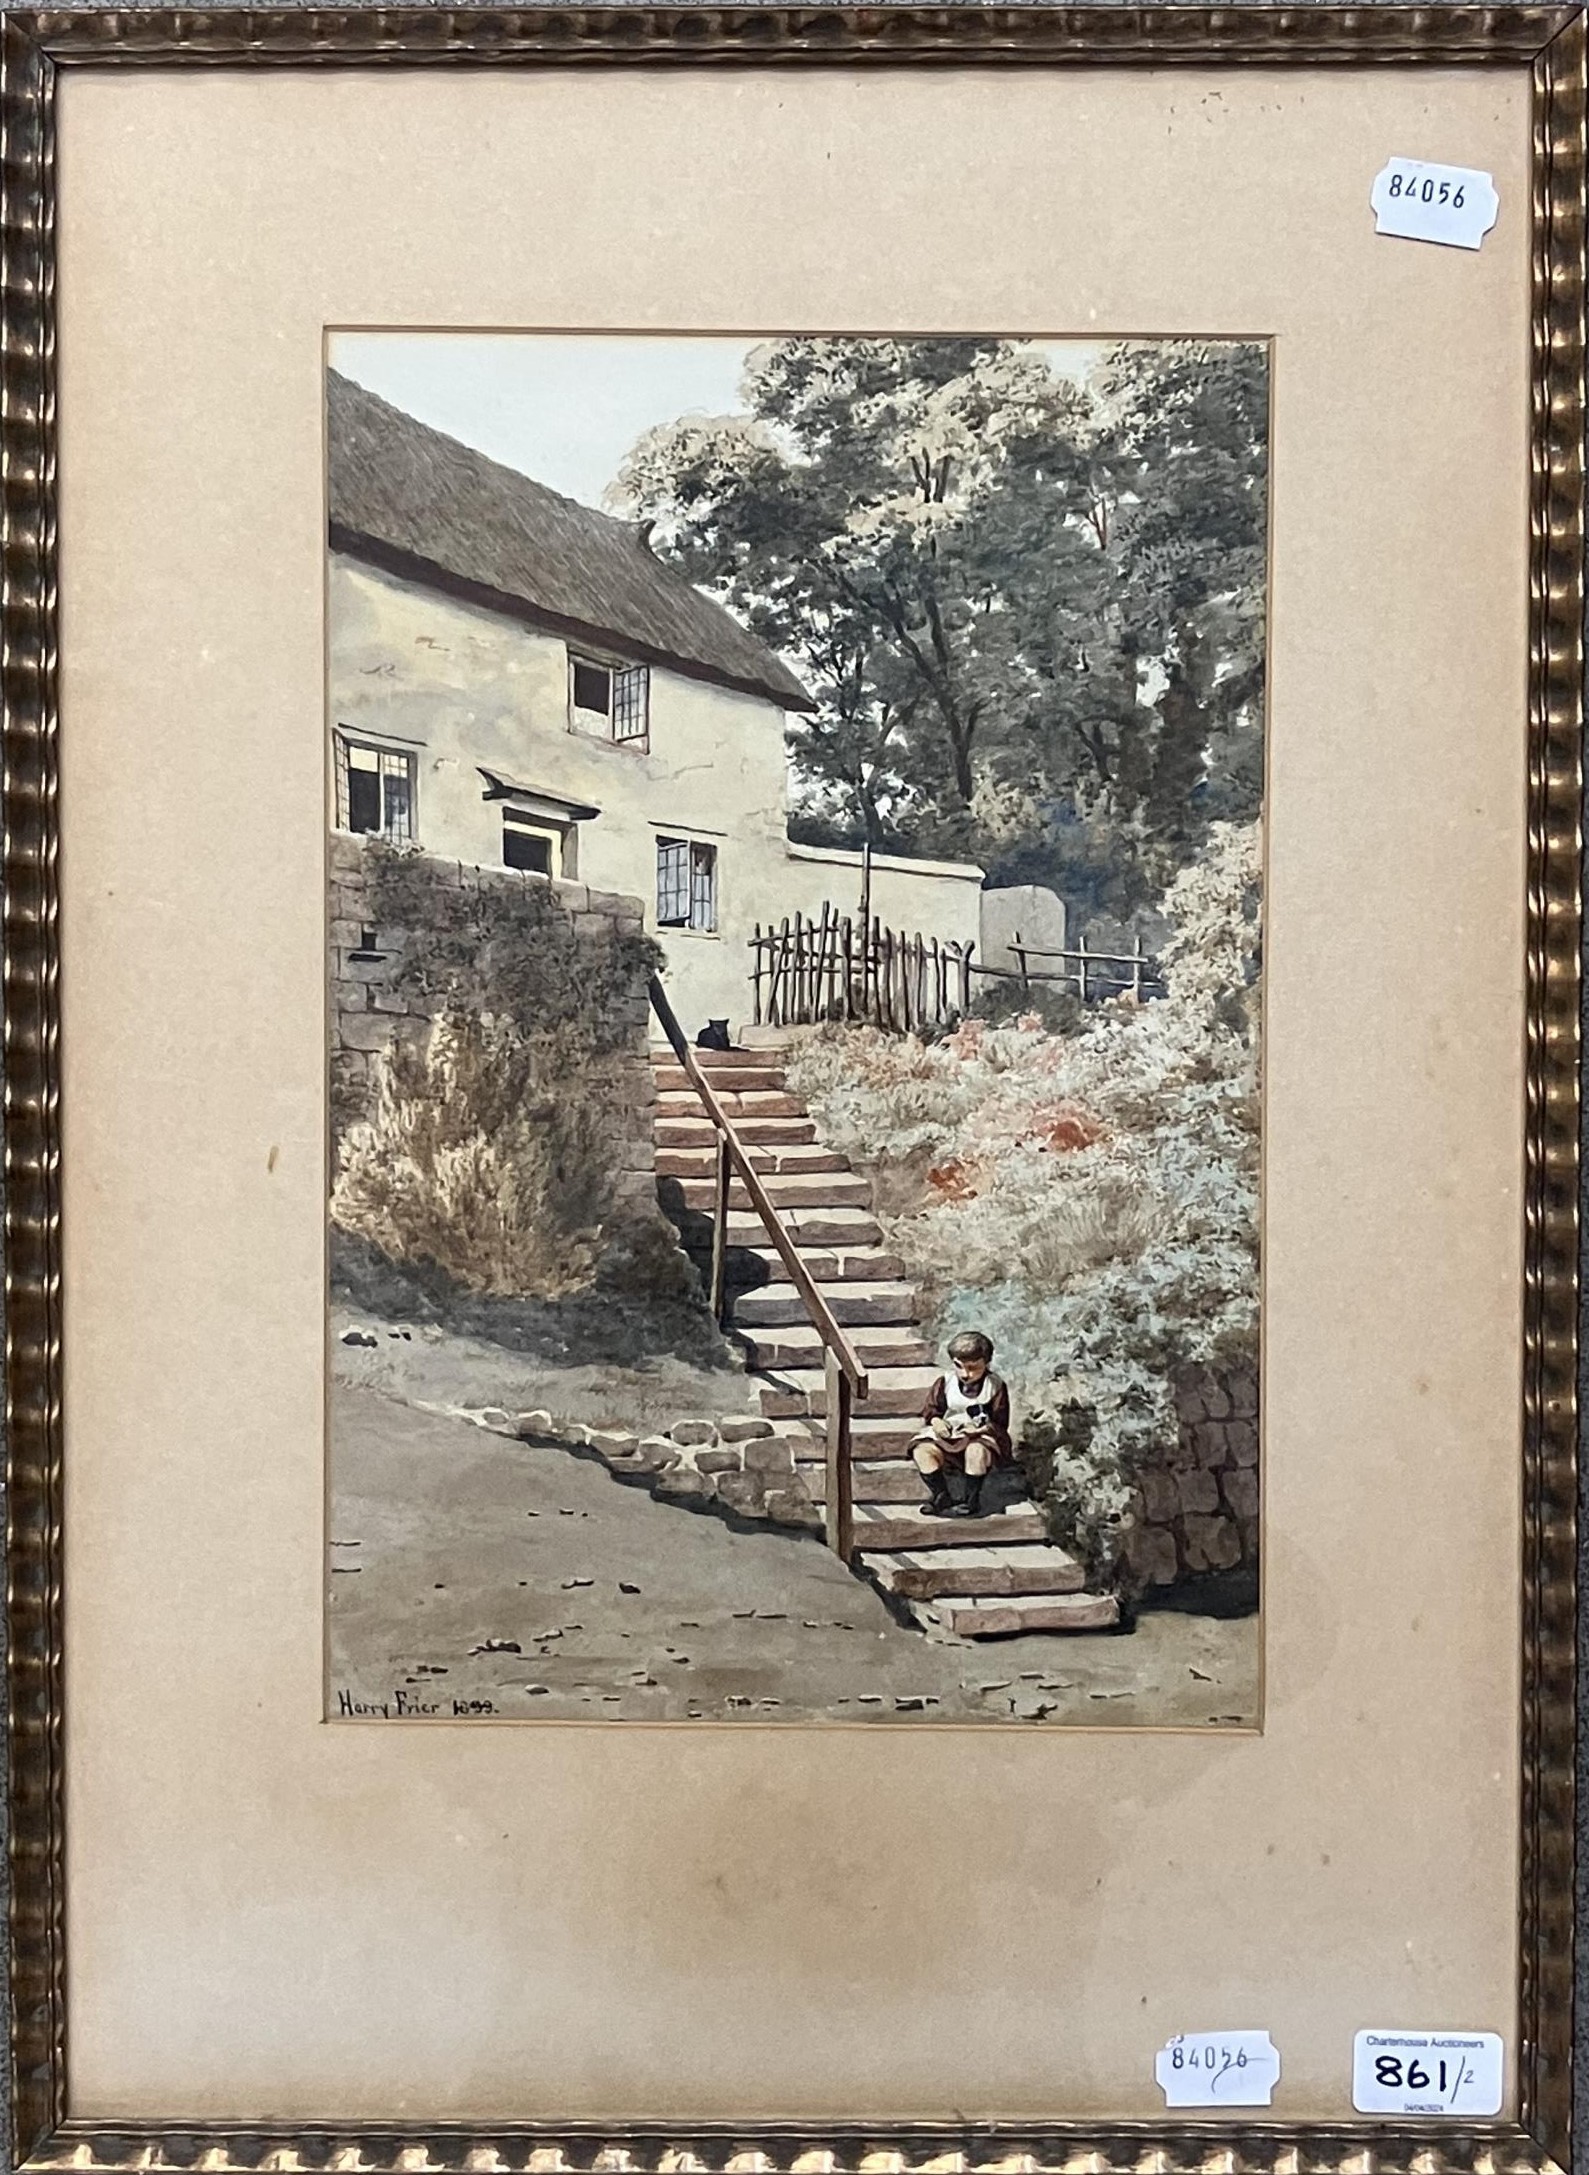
(1088,1199)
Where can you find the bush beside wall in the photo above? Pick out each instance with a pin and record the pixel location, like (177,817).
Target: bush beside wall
(491,1091)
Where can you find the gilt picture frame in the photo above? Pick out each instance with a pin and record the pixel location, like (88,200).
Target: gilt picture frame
(1540,50)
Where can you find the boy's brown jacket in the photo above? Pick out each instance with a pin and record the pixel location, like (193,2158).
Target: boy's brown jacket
(997,1423)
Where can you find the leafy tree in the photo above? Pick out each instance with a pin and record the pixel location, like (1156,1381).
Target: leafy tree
(833,519)
(1129,540)
(1031,612)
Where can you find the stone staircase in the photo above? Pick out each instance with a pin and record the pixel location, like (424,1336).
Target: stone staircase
(960,1578)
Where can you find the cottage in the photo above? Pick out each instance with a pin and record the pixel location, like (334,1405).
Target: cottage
(517,681)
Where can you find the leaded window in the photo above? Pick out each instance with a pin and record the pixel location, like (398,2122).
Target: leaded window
(686,884)
(610,699)
(375,790)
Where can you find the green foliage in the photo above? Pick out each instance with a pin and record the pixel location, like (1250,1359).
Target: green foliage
(1088,1199)
(511,949)
(1054,1006)
(493,1144)
(1031,610)
(476,1158)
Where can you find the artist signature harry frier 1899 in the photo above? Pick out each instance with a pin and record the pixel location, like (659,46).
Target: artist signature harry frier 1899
(405,1705)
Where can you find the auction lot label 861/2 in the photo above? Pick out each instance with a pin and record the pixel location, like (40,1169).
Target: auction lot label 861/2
(1427,2073)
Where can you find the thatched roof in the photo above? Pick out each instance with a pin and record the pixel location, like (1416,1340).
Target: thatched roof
(419,503)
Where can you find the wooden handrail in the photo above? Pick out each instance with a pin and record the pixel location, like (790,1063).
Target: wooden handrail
(799,1275)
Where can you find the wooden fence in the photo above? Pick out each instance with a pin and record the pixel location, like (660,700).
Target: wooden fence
(1092,975)
(834,968)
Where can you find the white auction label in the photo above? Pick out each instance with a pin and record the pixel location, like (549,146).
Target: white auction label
(1456,205)
(1427,2073)
(1218,2069)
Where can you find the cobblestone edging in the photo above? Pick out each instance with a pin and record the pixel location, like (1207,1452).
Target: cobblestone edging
(1196,1513)
(740,1466)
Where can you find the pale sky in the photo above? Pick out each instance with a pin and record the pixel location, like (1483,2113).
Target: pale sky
(566,407)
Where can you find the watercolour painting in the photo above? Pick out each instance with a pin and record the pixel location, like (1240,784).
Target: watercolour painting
(794,917)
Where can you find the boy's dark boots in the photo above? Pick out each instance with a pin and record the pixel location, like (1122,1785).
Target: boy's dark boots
(972,1506)
(939,1503)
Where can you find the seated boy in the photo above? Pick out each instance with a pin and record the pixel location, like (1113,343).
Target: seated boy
(966,1427)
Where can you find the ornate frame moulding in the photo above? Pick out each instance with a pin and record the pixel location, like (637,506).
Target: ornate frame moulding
(34,47)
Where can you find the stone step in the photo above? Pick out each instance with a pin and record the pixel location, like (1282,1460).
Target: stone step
(861,1305)
(770,1038)
(872,1436)
(889,1391)
(683,1102)
(699,1131)
(841,1227)
(799,1348)
(718,1060)
(992,1618)
(827,1265)
(892,1480)
(1033,1567)
(812,1189)
(892,1531)
(777,1160)
(726,1079)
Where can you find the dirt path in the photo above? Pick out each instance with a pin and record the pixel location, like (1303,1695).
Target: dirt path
(453,1546)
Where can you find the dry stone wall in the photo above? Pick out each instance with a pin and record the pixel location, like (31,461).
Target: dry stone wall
(394,978)
(1195,1513)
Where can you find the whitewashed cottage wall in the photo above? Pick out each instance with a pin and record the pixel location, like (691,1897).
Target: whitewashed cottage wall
(462,688)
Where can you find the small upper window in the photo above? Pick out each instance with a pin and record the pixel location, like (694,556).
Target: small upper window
(530,845)
(592,688)
(609,699)
(375,790)
(686,884)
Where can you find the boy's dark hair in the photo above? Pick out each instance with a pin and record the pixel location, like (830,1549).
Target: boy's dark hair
(971,1344)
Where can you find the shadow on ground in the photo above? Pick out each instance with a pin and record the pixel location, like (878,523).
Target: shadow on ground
(603,1327)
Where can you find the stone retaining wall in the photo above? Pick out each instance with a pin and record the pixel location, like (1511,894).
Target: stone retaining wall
(381,989)
(1196,1513)
(566,971)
